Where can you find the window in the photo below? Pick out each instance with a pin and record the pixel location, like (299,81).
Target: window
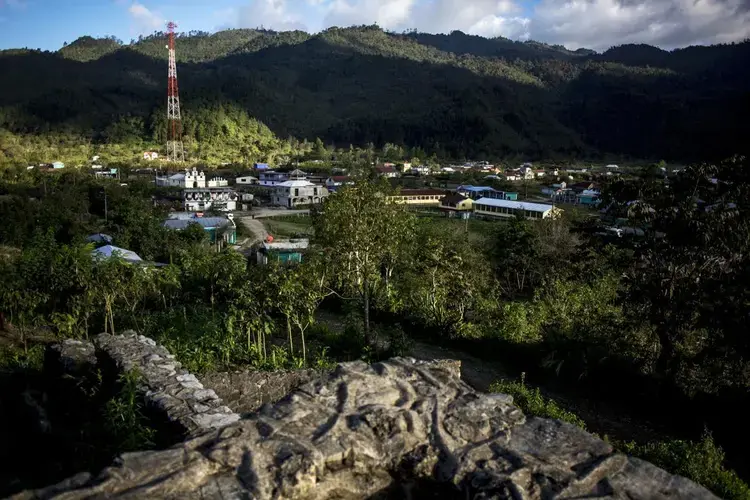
(296,191)
(315,191)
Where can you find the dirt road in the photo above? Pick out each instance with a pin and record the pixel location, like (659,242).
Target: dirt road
(257,230)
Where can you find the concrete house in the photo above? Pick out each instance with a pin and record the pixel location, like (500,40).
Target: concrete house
(247,180)
(270,178)
(200,199)
(293,193)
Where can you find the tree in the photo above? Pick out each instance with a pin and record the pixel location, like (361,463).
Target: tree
(355,228)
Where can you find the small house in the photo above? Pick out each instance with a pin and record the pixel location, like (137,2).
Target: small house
(247,180)
(58,164)
(150,155)
(285,252)
(453,203)
(387,171)
(336,181)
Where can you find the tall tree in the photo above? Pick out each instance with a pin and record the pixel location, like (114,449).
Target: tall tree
(355,228)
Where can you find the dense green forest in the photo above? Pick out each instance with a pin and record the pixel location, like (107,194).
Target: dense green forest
(453,95)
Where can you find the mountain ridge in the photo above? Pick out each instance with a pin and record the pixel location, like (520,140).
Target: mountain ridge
(358,85)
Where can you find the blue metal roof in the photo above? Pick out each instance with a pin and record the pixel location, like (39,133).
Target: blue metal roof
(475,189)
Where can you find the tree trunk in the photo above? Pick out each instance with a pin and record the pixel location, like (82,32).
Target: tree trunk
(2,321)
(366,285)
(289,331)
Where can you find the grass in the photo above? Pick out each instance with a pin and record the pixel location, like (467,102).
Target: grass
(532,402)
(288,226)
(477,231)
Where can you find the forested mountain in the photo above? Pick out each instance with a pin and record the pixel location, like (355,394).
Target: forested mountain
(454,95)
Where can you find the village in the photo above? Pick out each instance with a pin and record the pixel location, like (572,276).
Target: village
(268,205)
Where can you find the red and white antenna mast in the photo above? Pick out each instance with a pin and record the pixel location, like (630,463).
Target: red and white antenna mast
(175,150)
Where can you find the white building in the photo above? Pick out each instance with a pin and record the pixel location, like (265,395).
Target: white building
(201,199)
(493,207)
(150,155)
(246,180)
(298,192)
(218,182)
(270,178)
(189,179)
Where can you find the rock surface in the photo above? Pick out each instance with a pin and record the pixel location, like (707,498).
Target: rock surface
(71,357)
(404,427)
(247,391)
(167,387)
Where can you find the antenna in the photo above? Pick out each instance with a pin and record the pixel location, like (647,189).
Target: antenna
(175,150)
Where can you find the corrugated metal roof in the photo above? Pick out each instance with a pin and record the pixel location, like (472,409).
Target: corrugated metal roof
(515,205)
(205,222)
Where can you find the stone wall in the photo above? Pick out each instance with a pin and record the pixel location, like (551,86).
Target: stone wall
(167,387)
(396,429)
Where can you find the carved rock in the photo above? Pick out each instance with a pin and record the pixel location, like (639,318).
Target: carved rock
(366,430)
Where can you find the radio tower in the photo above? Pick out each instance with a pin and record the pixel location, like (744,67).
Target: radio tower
(175,151)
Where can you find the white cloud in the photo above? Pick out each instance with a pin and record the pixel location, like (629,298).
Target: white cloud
(389,14)
(144,20)
(271,14)
(600,24)
(596,24)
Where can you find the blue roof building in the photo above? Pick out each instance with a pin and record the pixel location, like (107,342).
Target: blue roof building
(212,225)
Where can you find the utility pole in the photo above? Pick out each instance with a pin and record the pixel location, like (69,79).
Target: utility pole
(105,205)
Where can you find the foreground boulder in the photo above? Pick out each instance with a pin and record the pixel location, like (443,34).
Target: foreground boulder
(397,429)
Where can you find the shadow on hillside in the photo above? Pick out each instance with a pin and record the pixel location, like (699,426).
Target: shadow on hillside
(348,93)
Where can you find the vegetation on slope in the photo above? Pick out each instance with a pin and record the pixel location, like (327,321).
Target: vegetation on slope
(701,461)
(452,95)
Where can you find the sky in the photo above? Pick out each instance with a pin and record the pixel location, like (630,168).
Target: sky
(595,24)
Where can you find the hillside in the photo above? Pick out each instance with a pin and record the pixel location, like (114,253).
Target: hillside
(455,95)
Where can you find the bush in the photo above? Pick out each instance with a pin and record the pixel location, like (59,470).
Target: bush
(702,462)
(124,417)
(533,403)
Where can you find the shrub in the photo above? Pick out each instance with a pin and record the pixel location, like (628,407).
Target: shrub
(124,417)
(532,402)
(701,461)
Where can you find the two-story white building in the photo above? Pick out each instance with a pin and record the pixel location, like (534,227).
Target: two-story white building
(294,193)
(270,178)
(201,199)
